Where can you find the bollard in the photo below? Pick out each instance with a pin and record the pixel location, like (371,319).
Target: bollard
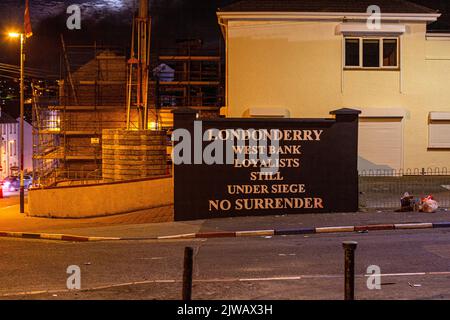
(187,273)
(349,247)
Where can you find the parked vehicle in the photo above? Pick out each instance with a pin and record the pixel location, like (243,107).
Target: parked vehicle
(12,183)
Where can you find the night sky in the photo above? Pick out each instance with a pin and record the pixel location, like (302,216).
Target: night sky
(109,22)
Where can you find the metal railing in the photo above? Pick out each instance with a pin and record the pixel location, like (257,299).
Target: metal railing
(383,189)
(68,177)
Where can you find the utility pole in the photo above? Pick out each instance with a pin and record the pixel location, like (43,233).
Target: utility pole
(142,31)
(1,145)
(144,52)
(22,89)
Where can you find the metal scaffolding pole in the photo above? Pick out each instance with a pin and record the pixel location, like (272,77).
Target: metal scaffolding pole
(140,57)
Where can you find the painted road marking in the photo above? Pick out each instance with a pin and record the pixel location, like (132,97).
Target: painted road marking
(401,274)
(255,233)
(8,207)
(268,234)
(413,226)
(271,279)
(172,281)
(180,236)
(335,229)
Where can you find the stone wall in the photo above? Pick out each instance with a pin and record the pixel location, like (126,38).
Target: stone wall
(133,154)
(100,199)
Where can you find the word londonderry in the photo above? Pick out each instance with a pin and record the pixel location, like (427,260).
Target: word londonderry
(264,134)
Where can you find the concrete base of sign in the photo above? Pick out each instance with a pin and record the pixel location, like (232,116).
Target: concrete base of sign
(101,199)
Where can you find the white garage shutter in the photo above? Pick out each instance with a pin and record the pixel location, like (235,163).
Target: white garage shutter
(380,144)
(439,135)
(439,130)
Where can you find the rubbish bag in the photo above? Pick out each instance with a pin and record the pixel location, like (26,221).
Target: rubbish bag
(429,205)
(407,203)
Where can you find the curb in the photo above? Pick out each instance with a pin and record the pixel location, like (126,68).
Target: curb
(50,236)
(235,234)
(305,231)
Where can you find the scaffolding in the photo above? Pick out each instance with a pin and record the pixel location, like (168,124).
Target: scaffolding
(67,129)
(92,95)
(188,76)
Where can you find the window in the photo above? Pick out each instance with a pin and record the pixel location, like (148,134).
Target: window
(371,53)
(439,130)
(352,52)
(389,52)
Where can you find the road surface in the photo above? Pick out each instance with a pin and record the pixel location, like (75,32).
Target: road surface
(416,264)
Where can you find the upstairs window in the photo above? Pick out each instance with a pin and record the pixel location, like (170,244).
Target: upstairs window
(390,53)
(352,54)
(371,53)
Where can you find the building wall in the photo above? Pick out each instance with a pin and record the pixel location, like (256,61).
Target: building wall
(102,199)
(10,148)
(83,142)
(298,66)
(28,147)
(100,85)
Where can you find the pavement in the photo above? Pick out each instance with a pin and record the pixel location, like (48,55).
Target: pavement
(138,225)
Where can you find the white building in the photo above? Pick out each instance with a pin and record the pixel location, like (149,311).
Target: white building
(10,155)
(304,58)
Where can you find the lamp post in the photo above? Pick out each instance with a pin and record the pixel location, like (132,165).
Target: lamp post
(22,97)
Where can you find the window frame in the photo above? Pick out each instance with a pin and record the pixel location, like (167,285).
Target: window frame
(435,121)
(381,67)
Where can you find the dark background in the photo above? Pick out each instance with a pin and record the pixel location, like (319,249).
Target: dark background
(108,22)
(172,20)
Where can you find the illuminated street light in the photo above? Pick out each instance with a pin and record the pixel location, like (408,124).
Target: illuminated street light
(14,35)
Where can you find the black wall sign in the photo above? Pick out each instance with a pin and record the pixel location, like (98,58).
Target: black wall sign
(316,160)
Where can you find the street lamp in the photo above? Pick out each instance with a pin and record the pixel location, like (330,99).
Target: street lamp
(14,35)
(22,65)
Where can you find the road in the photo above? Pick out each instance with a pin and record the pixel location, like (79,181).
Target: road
(11,198)
(416,265)
(291,267)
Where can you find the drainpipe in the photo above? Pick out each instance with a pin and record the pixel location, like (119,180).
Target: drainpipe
(224,28)
(7,150)
(1,145)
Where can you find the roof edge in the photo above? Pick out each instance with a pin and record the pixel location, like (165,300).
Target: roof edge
(423,8)
(424,17)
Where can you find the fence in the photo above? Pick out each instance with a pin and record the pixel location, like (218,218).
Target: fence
(382,189)
(59,177)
